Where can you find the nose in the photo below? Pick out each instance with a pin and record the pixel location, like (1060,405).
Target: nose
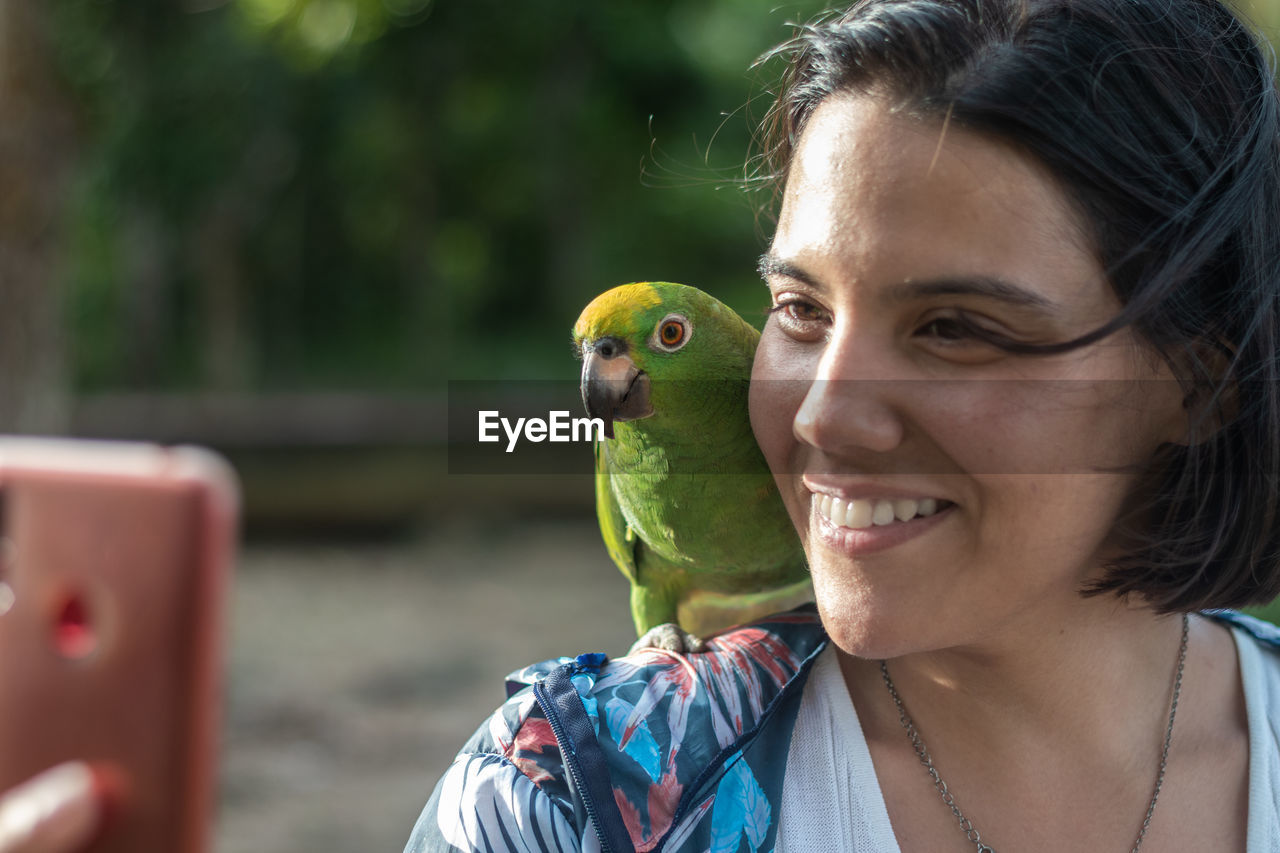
(850,404)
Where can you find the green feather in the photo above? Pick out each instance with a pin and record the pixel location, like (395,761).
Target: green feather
(687,507)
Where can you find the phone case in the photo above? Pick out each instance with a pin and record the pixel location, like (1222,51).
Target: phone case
(114,563)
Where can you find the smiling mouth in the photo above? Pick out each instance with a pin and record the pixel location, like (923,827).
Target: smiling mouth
(862,513)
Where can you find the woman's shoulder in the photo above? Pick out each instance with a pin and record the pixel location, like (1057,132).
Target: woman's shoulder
(649,737)
(646,709)
(1257,645)
(728,687)
(1262,632)
(766,653)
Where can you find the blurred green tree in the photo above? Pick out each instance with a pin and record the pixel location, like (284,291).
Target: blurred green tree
(381,194)
(37,142)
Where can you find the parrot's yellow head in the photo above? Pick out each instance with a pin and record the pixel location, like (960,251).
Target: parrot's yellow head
(618,312)
(655,329)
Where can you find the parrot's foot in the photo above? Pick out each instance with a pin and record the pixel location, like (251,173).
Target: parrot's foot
(671,637)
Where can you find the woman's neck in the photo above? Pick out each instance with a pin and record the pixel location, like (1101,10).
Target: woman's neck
(1031,732)
(1091,677)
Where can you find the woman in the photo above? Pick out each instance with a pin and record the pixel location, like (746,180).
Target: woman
(1018,389)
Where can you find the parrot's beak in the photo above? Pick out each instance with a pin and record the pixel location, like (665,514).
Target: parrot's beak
(613,388)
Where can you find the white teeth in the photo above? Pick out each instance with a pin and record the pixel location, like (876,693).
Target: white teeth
(859,517)
(862,513)
(883,513)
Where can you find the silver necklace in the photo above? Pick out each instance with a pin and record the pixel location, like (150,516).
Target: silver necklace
(966,825)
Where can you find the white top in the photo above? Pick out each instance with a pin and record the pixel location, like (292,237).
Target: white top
(831,799)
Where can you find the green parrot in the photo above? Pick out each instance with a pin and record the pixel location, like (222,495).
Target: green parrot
(687,506)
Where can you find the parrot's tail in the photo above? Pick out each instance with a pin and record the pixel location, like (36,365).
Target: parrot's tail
(706,613)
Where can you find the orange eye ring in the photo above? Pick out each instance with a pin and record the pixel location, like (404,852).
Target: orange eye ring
(671,333)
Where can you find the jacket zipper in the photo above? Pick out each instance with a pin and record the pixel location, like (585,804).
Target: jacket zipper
(569,752)
(716,765)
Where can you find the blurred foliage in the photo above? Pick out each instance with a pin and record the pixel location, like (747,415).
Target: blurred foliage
(381,194)
(1270,612)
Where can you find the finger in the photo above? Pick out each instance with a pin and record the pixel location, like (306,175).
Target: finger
(56,811)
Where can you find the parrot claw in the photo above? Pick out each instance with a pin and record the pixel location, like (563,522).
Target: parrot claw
(670,637)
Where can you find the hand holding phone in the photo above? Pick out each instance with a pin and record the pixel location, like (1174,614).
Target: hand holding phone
(57,811)
(113,563)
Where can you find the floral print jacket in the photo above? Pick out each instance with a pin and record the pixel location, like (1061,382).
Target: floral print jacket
(654,751)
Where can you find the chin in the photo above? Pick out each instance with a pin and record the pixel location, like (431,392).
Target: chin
(861,640)
(864,627)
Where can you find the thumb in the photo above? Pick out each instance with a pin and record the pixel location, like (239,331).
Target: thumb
(56,811)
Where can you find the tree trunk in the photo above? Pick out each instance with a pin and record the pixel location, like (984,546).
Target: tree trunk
(36,133)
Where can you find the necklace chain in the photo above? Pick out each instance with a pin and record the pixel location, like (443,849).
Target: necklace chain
(966,825)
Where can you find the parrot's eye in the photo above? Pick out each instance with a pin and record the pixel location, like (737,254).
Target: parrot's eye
(671,334)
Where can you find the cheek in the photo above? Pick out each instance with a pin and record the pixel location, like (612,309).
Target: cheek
(1029,428)
(778,386)
(779,383)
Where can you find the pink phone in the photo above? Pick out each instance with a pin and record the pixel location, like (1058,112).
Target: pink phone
(114,563)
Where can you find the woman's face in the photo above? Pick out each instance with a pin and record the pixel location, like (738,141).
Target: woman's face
(869,395)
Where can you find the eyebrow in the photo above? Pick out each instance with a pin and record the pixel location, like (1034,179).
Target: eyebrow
(966,285)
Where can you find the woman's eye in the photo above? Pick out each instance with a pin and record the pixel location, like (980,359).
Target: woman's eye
(947,329)
(798,317)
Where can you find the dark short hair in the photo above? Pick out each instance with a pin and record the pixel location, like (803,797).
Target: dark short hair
(1160,121)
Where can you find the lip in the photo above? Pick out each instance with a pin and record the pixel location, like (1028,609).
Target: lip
(869,540)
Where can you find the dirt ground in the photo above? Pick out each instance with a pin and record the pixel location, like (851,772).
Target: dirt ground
(356,671)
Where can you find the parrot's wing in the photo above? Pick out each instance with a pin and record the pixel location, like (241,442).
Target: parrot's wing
(620,541)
